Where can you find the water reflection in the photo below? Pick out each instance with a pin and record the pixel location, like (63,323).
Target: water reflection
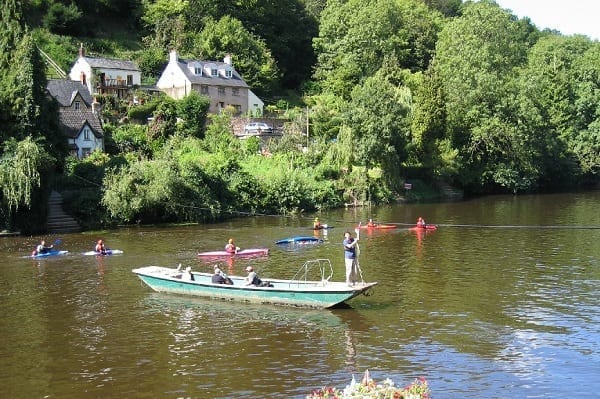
(481,312)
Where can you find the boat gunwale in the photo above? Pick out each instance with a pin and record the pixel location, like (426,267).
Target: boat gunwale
(295,286)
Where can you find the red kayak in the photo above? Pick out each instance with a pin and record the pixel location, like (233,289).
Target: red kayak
(242,252)
(426,227)
(378,226)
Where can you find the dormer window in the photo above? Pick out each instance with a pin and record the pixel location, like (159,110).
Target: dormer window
(195,68)
(228,73)
(214,72)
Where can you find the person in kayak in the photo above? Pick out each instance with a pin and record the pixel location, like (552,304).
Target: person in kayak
(100,247)
(371,223)
(230,247)
(42,248)
(317,224)
(421,223)
(349,244)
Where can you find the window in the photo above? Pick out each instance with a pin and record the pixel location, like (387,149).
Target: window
(129,80)
(77,105)
(221,91)
(86,134)
(228,73)
(198,70)
(235,91)
(238,108)
(214,72)
(203,89)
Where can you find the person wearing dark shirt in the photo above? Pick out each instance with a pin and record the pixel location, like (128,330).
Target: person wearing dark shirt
(219,277)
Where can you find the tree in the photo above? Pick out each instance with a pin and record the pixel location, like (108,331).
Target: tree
(378,116)
(12,30)
(250,56)
(284,26)
(20,170)
(478,56)
(354,37)
(357,37)
(193,109)
(560,89)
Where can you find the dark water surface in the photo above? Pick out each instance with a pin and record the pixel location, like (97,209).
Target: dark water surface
(502,301)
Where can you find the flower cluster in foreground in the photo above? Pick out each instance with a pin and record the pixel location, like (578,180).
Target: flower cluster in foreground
(367,388)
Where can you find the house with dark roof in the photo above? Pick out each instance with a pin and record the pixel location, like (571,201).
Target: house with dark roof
(78,115)
(219,81)
(106,75)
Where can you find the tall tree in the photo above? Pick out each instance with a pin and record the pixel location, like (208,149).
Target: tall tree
(478,56)
(12,30)
(561,86)
(21,167)
(356,37)
(285,26)
(379,118)
(250,56)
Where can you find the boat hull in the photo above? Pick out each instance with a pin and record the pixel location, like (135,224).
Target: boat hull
(424,228)
(49,254)
(106,253)
(379,227)
(309,294)
(300,240)
(243,252)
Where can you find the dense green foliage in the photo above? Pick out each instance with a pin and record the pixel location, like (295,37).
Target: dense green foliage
(384,92)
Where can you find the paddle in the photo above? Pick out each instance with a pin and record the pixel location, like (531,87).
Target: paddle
(357,230)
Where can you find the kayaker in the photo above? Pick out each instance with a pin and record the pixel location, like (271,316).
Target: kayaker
(230,247)
(317,224)
(349,244)
(371,223)
(42,248)
(100,247)
(421,223)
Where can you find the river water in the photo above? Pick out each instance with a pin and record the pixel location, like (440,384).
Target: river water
(501,301)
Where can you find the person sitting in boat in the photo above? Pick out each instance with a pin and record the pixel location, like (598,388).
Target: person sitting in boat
(253,279)
(100,247)
(42,248)
(187,274)
(317,224)
(220,278)
(421,223)
(371,223)
(230,247)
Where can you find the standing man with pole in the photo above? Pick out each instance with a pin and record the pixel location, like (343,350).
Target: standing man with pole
(350,257)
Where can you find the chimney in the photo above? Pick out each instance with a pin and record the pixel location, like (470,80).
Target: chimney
(81,51)
(173,56)
(227,59)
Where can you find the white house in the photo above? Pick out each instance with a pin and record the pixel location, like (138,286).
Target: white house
(105,75)
(216,80)
(78,115)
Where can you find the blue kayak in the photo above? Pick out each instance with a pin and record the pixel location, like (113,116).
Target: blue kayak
(300,240)
(52,252)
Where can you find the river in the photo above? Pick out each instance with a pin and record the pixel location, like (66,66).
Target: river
(501,301)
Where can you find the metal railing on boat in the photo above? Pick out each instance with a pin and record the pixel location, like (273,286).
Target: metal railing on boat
(320,266)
